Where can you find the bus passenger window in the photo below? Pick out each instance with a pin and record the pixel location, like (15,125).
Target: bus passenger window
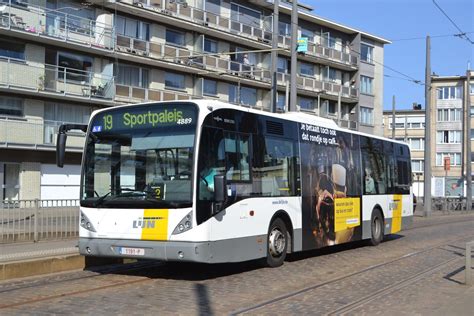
(274,176)
(237,157)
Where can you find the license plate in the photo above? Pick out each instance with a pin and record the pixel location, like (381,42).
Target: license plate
(132,251)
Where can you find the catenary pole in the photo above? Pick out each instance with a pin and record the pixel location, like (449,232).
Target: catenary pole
(427,169)
(274,94)
(393,117)
(468,142)
(294,56)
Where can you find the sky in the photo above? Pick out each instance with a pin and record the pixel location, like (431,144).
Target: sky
(400,21)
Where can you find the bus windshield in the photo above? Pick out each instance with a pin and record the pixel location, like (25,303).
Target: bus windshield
(140,157)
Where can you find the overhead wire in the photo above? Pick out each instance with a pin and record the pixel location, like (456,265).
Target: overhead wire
(462,33)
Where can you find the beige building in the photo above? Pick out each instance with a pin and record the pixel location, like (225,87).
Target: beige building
(448,142)
(410,128)
(60,60)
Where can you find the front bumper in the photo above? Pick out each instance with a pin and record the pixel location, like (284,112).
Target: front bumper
(157,250)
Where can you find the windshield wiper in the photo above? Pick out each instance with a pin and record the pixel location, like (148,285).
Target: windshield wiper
(101,199)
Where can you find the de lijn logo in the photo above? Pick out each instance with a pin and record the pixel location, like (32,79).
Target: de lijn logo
(146,222)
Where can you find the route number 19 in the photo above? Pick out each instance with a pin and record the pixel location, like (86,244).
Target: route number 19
(108,122)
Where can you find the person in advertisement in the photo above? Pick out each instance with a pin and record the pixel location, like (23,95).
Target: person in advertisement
(335,171)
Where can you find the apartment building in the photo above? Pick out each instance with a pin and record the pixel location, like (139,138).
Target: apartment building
(449,156)
(409,128)
(60,60)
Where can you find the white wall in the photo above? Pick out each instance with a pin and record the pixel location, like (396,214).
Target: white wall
(60,183)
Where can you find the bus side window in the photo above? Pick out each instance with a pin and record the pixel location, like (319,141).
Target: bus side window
(237,156)
(375,171)
(403,169)
(274,174)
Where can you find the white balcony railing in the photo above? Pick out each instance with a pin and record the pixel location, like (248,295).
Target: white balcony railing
(15,73)
(138,94)
(313,84)
(30,18)
(21,132)
(208,19)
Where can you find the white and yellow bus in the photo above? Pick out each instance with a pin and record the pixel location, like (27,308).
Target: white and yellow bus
(207,181)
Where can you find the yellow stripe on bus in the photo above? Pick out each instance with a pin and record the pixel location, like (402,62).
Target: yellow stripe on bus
(155,224)
(397,214)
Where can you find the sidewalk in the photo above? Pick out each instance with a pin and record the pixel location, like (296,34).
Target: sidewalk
(19,260)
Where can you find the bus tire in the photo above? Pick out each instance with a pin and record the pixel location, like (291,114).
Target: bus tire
(277,243)
(376,227)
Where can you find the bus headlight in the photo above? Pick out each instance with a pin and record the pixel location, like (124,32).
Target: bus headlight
(86,223)
(184,225)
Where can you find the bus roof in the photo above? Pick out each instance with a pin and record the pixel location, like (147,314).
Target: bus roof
(299,117)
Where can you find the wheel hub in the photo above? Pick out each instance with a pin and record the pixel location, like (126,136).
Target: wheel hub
(276,242)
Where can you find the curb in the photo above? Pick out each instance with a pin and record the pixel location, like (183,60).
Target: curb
(27,268)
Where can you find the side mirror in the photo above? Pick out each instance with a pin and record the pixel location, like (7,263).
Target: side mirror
(220,189)
(60,149)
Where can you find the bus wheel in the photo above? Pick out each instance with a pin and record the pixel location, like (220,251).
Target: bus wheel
(277,243)
(377,226)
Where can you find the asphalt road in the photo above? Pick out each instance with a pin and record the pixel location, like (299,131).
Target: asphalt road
(418,271)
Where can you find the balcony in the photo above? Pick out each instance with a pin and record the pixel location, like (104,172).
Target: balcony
(192,61)
(55,80)
(207,19)
(325,54)
(315,85)
(21,133)
(56,25)
(138,94)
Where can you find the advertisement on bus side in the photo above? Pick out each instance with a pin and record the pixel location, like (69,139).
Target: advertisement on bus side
(331,188)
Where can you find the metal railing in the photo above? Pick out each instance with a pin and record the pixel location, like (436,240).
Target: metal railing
(34,220)
(20,132)
(449,204)
(18,73)
(53,23)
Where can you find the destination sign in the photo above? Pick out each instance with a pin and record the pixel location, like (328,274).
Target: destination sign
(147,116)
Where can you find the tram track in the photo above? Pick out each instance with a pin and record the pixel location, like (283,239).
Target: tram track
(372,296)
(147,265)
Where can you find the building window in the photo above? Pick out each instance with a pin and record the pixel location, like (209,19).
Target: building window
(366,85)
(281,102)
(449,115)
(417,143)
(455,159)
(284,29)
(11,106)
(174,81)
(366,116)
(417,165)
(245,15)
(66,113)
(127,75)
(328,40)
(213,6)
(282,65)
(132,28)
(306,69)
(175,38)
(248,96)
(306,103)
(448,137)
(471,88)
(10,49)
(74,67)
(329,74)
(449,93)
(366,53)
(308,34)
(210,46)
(210,87)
